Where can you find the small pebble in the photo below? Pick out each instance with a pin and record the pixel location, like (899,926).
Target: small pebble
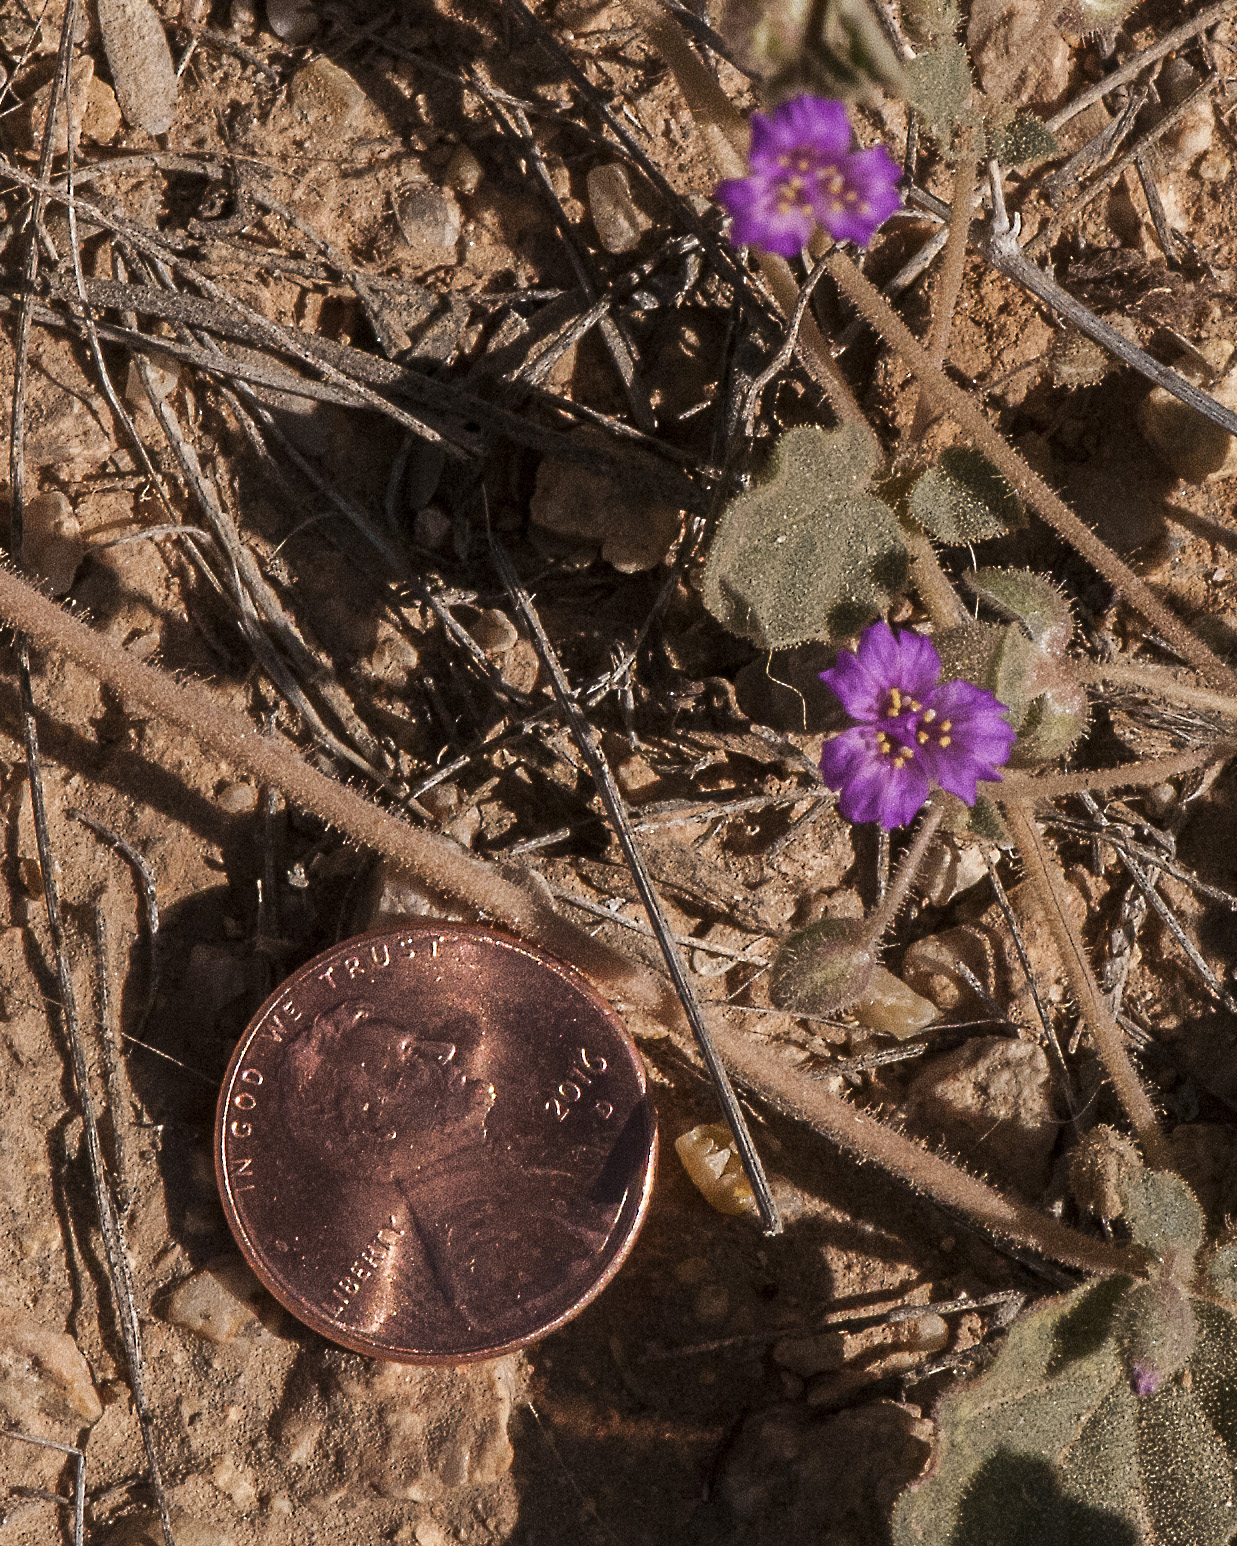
(708,1155)
(810,1355)
(632,526)
(693,1269)
(52,545)
(925,1334)
(393,660)
(42,1370)
(619,223)
(429,219)
(216,1303)
(443,800)
(329,97)
(465,828)
(237,799)
(1195,448)
(140,62)
(28,122)
(890,1008)
(464,172)
(164,377)
(494,632)
(712,1304)
(235,1482)
(292,21)
(951,868)
(431,528)
(101,122)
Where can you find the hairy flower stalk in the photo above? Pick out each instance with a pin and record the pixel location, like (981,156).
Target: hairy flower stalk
(804,174)
(913,731)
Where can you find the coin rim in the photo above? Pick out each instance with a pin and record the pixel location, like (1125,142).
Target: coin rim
(306,1312)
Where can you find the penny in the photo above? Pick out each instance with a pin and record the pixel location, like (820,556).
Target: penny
(435,1144)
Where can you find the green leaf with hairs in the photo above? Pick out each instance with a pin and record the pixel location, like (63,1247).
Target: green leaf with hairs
(939,89)
(808,552)
(1051,1445)
(965,499)
(1025,141)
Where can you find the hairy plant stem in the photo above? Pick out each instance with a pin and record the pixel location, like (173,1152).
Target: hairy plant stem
(1026,482)
(1150,770)
(899,888)
(726,136)
(935,589)
(444,867)
(1046,885)
(1160,681)
(809,1101)
(953,271)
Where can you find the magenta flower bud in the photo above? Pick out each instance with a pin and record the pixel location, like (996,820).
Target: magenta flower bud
(914,731)
(805,174)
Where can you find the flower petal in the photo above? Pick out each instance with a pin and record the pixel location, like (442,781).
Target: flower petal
(870,195)
(863,683)
(886,793)
(804,125)
(846,755)
(908,660)
(761,218)
(873,785)
(980,738)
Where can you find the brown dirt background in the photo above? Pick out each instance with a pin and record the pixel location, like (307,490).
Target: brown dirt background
(702,1397)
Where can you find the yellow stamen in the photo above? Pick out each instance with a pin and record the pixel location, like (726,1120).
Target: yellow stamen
(895,701)
(922,737)
(945,725)
(944,741)
(928,716)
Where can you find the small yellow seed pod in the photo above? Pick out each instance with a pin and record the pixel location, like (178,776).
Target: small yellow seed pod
(713,1165)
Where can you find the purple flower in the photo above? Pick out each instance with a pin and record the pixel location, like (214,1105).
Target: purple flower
(804,174)
(911,733)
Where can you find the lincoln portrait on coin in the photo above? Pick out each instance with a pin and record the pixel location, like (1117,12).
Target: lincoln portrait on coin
(468,1230)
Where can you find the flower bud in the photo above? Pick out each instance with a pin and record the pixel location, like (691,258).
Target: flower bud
(1156,1332)
(823,968)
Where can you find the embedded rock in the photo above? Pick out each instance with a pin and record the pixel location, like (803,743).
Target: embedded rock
(409,1433)
(45,1383)
(618,221)
(632,526)
(990,1103)
(52,546)
(218,1302)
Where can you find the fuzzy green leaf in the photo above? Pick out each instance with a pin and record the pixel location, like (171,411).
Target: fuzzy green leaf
(1076,360)
(1029,599)
(1162,1212)
(1051,1445)
(1222,1272)
(939,88)
(1102,15)
(965,499)
(808,553)
(1024,142)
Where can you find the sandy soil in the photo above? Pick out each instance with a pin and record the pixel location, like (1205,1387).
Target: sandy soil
(371,188)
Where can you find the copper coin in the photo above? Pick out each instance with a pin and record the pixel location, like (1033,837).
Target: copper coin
(434,1143)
